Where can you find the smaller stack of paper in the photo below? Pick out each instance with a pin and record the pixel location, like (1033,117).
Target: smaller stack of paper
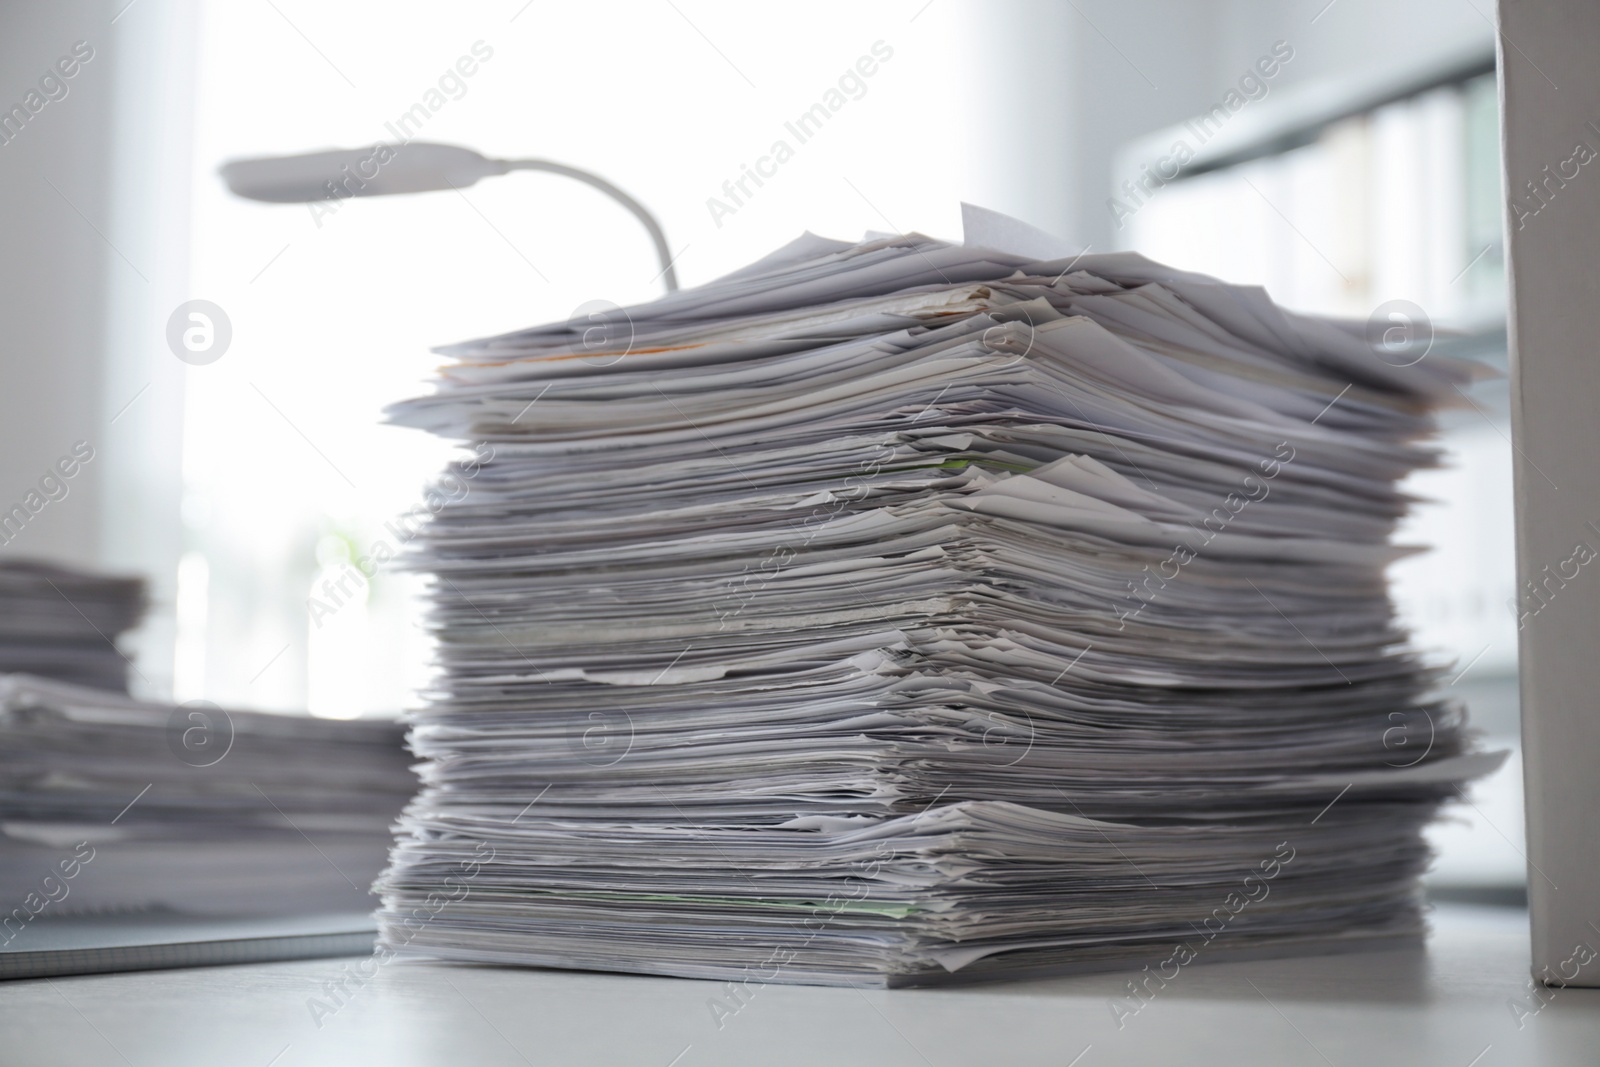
(112,803)
(63,623)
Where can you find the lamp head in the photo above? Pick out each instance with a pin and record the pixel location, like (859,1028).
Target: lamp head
(380,170)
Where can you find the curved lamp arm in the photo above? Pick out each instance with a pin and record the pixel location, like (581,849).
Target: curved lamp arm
(410,167)
(668,273)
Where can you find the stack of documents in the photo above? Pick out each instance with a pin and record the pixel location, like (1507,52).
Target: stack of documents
(64,623)
(902,612)
(112,803)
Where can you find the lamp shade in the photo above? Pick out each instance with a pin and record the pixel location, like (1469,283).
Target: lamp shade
(378,170)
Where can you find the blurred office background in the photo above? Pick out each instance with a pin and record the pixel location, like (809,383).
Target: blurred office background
(1343,155)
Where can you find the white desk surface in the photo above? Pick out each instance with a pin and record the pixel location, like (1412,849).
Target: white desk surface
(1447,1006)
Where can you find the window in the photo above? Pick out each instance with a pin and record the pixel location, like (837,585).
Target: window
(288,473)
(1388,211)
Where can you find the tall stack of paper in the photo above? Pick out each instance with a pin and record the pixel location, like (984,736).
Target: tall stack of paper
(905,611)
(64,623)
(112,803)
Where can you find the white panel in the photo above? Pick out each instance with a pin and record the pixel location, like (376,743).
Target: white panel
(1547,103)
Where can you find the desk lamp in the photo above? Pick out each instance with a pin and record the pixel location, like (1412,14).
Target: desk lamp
(413,167)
